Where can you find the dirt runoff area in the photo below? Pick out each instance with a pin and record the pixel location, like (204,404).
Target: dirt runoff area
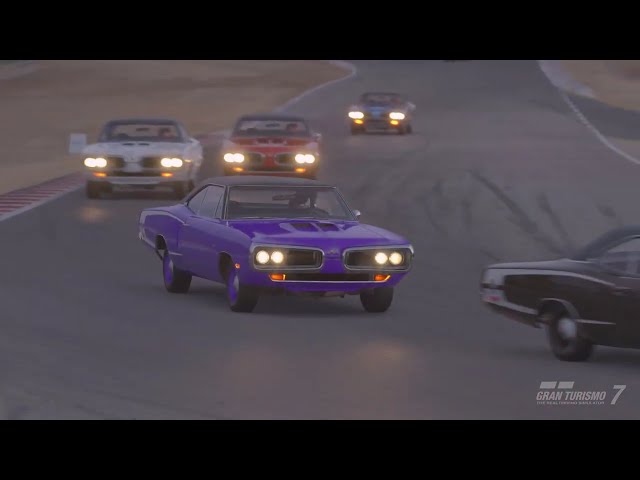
(613,82)
(58,97)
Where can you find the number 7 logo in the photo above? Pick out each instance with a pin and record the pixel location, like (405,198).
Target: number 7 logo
(620,388)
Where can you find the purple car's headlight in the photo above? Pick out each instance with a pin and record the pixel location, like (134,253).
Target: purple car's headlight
(379,258)
(285,258)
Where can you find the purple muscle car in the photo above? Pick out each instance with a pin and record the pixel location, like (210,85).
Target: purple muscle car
(275,235)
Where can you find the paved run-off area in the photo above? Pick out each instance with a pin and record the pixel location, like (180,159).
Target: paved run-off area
(498,169)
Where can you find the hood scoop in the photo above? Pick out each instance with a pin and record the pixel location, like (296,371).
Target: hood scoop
(328,227)
(304,226)
(314,227)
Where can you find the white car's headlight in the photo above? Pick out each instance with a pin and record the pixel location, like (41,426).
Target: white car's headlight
(305,158)
(171,162)
(396,116)
(95,162)
(233,157)
(356,115)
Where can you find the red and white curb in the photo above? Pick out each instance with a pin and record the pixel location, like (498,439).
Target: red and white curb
(24,199)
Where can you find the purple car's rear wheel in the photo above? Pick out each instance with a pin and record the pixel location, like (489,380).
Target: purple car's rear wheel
(175,280)
(241,298)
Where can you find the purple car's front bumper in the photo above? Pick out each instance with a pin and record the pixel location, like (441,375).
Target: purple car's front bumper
(331,278)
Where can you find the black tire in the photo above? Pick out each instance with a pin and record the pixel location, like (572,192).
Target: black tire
(409,128)
(569,348)
(93,189)
(241,298)
(402,130)
(356,130)
(377,300)
(175,280)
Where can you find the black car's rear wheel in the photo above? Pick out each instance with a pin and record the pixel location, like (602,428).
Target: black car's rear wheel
(564,337)
(377,300)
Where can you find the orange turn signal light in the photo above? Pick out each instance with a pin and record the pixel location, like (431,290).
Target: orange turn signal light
(300,170)
(395,122)
(359,122)
(238,169)
(277,277)
(99,174)
(167,174)
(237,265)
(381,278)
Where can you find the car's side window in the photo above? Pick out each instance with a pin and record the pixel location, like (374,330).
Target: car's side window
(623,258)
(196,201)
(211,201)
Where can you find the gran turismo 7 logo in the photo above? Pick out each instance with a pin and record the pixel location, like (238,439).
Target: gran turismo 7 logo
(563,393)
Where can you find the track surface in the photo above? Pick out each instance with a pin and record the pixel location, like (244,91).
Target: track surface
(498,169)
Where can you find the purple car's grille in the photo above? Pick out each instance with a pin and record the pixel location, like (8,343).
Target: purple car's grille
(366,259)
(293,258)
(306,258)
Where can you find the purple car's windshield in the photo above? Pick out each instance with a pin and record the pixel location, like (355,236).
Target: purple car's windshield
(246,202)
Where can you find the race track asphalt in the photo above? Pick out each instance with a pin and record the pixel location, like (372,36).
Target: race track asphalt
(498,169)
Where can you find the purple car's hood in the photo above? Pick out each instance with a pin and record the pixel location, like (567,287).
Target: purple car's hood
(318,233)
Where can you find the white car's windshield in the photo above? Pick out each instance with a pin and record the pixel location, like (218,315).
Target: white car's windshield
(286,202)
(127,131)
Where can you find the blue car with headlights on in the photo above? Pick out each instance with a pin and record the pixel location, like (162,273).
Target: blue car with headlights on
(381,111)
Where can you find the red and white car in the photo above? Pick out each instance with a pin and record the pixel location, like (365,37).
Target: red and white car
(272,144)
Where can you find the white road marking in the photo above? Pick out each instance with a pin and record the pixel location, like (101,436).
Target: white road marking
(353,71)
(560,85)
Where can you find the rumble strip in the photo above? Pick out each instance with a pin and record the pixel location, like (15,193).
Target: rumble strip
(19,201)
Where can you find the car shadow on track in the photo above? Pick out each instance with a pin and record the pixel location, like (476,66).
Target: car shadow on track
(618,357)
(214,296)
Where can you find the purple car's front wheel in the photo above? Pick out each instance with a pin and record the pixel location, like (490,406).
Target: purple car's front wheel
(175,280)
(241,298)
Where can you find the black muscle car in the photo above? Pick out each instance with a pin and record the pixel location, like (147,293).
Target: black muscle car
(591,298)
